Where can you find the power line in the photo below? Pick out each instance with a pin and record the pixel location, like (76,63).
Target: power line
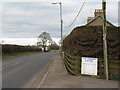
(76,16)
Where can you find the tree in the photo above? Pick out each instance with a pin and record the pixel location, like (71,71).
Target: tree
(50,42)
(2,42)
(43,39)
(54,46)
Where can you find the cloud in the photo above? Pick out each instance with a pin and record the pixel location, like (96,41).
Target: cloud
(16,20)
(57,0)
(112,13)
(0,19)
(24,41)
(20,41)
(29,19)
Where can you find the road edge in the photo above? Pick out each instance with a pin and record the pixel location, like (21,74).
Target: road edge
(39,78)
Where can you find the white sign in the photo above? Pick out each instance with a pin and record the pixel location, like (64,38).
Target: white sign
(89,66)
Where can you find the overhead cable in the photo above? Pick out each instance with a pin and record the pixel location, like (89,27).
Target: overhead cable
(77,15)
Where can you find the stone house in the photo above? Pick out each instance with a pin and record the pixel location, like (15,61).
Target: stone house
(97,19)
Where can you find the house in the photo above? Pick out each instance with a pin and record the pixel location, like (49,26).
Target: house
(97,20)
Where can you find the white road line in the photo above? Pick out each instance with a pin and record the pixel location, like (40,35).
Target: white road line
(17,63)
(46,74)
(6,63)
(11,63)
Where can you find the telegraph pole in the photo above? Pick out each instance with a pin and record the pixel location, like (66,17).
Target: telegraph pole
(61,25)
(104,39)
(61,21)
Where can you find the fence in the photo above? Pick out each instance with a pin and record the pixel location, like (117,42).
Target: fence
(73,66)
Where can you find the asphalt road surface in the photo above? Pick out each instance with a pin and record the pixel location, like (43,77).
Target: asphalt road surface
(17,72)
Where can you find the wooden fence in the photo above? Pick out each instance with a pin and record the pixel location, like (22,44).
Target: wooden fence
(73,66)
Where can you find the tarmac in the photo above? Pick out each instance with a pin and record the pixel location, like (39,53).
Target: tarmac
(56,77)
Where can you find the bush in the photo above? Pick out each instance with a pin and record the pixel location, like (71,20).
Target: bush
(16,48)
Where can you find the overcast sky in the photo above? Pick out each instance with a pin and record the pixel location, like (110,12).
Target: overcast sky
(27,20)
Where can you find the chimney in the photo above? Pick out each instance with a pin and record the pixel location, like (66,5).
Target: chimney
(98,12)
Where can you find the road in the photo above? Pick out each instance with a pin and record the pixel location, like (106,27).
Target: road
(19,71)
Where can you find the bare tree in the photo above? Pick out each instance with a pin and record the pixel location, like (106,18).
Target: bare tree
(50,41)
(43,39)
(2,42)
(54,46)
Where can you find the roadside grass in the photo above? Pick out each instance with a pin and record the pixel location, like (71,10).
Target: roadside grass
(17,54)
(114,77)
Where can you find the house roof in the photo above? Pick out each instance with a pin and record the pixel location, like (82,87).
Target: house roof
(97,18)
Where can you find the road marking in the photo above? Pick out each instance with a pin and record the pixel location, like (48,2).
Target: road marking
(46,74)
(6,63)
(10,64)
(18,63)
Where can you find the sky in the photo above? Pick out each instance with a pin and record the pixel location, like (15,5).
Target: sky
(23,21)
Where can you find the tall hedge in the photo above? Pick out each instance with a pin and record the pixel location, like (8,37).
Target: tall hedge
(17,48)
(88,41)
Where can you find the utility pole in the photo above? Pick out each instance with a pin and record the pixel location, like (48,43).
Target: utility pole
(61,25)
(104,39)
(61,21)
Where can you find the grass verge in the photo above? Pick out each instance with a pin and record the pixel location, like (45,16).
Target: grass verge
(16,54)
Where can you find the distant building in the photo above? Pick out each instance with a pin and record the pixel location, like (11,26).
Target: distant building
(97,20)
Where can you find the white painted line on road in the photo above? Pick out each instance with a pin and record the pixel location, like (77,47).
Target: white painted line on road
(46,74)
(3,67)
(10,62)
(6,63)
(17,63)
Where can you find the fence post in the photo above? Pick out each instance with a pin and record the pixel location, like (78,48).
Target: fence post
(78,59)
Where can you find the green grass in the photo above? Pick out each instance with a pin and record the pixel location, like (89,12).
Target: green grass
(16,54)
(114,77)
